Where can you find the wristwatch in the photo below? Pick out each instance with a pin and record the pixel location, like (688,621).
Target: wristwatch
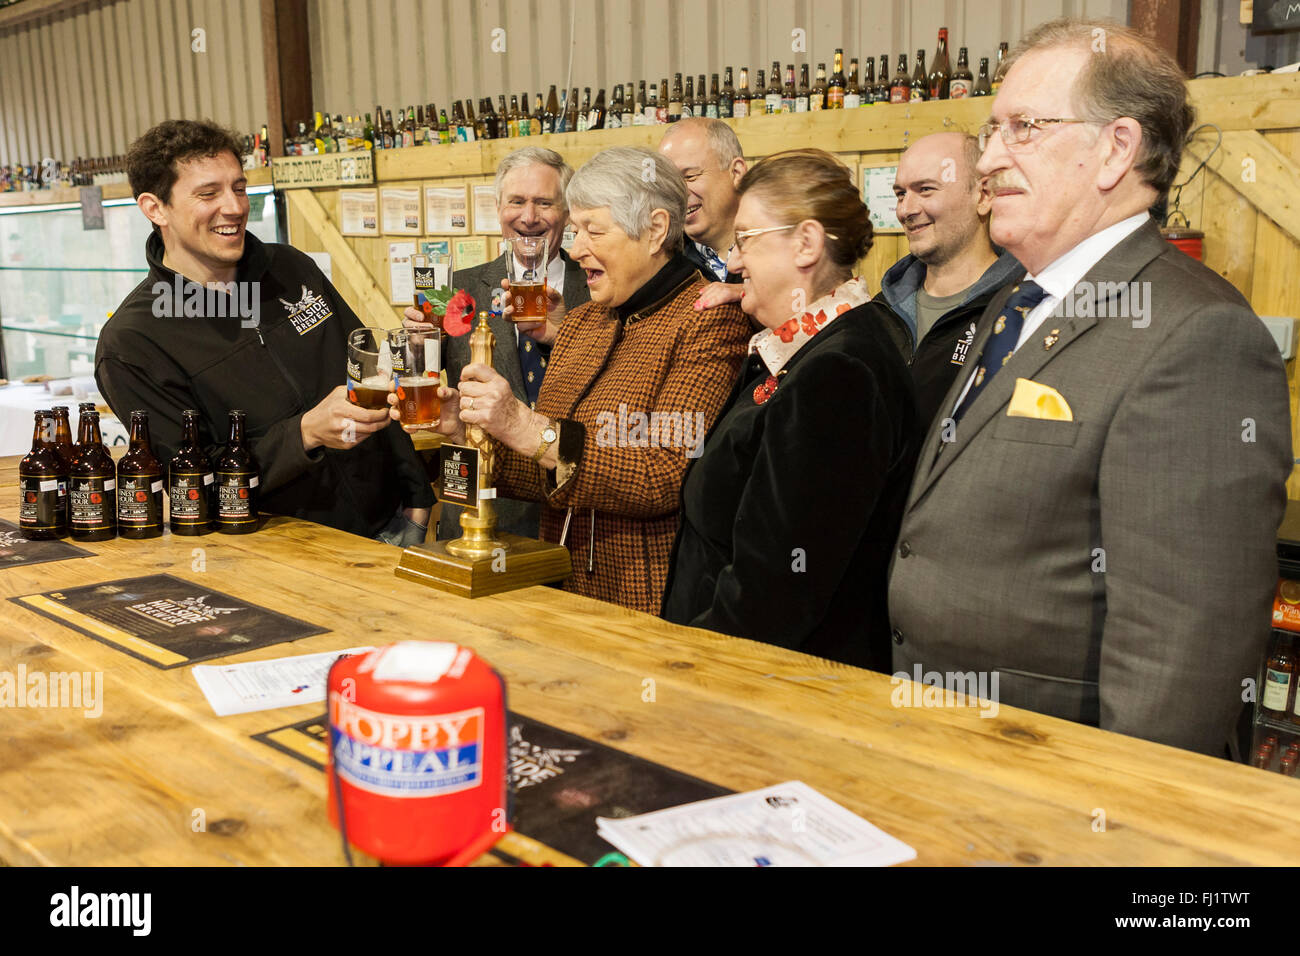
(549,434)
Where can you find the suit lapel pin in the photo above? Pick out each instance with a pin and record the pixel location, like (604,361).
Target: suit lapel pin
(1051,339)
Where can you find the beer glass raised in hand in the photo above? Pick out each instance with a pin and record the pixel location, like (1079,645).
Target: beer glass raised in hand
(526,270)
(370,368)
(417,364)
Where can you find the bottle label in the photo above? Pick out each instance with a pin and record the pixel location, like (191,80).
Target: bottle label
(835,99)
(852,101)
(959,89)
(899,94)
(917,96)
(613,121)
(773,103)
(741,108)
(139,501)
(236,498)
(189,497)
(815,104)
(1277,684)
(41,507)
(997,85)
(91,507)
(801,105)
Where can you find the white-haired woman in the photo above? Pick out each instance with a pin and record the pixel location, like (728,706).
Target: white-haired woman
(636,378)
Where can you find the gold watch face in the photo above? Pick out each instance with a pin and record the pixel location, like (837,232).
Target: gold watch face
(548,435)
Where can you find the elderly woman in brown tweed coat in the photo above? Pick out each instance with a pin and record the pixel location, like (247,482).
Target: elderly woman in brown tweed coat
(635,380)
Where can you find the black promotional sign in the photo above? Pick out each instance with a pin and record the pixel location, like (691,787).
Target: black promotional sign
(458,475)
(15,550)
(166,621)
(562,782)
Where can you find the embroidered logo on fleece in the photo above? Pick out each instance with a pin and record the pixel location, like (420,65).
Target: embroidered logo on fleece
(963,346)
(308,312)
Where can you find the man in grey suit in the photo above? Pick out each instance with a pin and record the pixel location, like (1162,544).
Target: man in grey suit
(530,186)
(1094,512)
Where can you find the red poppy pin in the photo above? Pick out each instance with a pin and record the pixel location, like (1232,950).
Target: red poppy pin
(764,390)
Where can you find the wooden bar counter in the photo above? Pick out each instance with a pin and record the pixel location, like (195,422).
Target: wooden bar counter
(127,787)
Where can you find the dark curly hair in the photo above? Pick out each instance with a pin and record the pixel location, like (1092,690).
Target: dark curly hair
(152,159)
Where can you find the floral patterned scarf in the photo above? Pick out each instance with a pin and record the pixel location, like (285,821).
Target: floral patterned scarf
(777,346)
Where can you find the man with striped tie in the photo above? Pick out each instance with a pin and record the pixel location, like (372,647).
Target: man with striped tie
(1094,512)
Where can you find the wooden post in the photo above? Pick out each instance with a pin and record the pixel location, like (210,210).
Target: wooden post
(1173,24)
(287,57)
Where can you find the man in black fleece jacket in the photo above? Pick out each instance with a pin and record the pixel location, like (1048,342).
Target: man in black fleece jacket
(226,321)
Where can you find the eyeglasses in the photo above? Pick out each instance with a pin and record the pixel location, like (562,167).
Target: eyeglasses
(1016,129)
(744,235)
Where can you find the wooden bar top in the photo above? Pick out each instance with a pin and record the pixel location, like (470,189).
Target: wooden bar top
(127,787)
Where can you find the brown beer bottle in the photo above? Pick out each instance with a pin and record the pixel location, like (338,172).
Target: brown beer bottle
(726,98)
(802,94)
(1001,69)
(818,99)
(941,72)
(92,484)
(920,80)
(675,99)
(900,88)
(835,86)
(963,81)
(189,482)
(41,511)
(740,105)
(63,435)
(82,409)
(983,87)
(139,485)
(552,110)
(237,480)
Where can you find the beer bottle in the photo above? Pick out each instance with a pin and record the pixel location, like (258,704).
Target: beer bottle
(881,93)
(772,101)
(421,126)
(852,91)
(661,107)
(982,85)
(675,99)
(584,111)
(41,511)
(481,130)
(82,409)
(941,73)
(139,485)
(691,106)
(92,484)
(503,118)
(740,106)
(1279,679)
(900,89)
(525,119)
(472,125)
(628,115)
(920,87)
(237,480)
(189,482)
(835,85)
(790,96)
(538,125)
(390,134)
(63,446)
(962,82)
(711,105)
(614,118)
(456,126)
(552,110)
(571,112)
(804,92)
(1001,70)
(817,101)
(597,117)
(408,127)
(727,97)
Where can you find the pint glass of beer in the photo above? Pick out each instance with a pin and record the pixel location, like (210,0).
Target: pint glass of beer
(417,364)
(370,368)
(526,270)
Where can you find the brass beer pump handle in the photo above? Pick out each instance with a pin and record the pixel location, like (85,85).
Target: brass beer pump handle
(481,345)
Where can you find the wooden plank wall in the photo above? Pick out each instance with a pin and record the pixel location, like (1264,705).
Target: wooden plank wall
(1252,236)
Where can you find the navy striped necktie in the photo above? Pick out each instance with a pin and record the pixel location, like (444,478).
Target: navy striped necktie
(1002,343)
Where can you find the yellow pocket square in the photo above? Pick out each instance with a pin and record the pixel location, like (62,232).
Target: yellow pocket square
(1032,400)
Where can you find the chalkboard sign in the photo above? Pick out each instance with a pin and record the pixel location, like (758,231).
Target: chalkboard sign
(1276,16)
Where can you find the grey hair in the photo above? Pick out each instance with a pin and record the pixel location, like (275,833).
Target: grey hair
(1128,76)
(632,182)
(722,139)
(534,156)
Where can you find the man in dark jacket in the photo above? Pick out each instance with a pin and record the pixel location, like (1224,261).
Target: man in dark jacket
(226,321)
(707,154)
(938,291)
